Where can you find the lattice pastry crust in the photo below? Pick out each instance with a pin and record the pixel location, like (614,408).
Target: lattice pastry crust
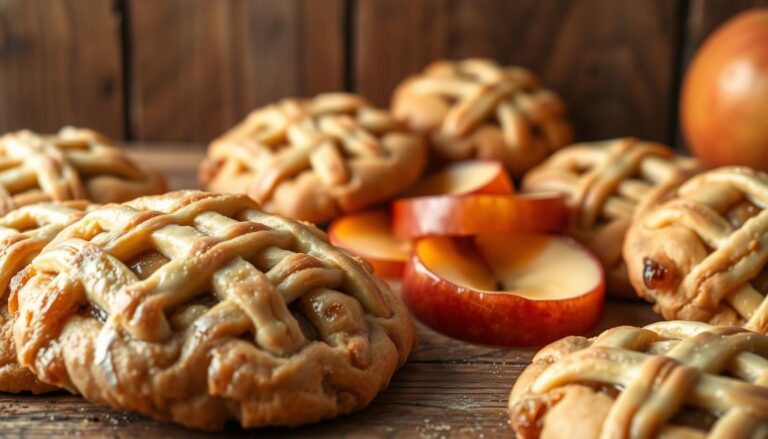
(70,165)
(607,184)
(669,380)
(704,254)
(23,234)
(314,159)
(199,308)
(476,108)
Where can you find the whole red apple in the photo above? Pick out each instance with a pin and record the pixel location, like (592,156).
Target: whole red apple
(724,108)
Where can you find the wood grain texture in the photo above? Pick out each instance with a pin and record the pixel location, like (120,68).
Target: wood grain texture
(60,63)
(198,66)
(448,388)
(613,62)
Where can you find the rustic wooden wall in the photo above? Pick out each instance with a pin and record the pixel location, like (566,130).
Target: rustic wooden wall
(612,60)
(185,70)
(198,66)
(61,63)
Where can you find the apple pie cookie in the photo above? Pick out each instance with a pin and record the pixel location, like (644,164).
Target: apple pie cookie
(23,233)
(72,164)
(607,183)
(315,159)
(476,108)
(668,380)
(200,308)
(703,255)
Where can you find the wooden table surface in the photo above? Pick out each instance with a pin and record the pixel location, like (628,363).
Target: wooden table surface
(448,388)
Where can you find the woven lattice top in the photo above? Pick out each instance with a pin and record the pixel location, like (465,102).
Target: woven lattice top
(476,108)
(703,255)
(72,164)
(672,379)
(313,159)
(260,306)
(23,233)
(606,183)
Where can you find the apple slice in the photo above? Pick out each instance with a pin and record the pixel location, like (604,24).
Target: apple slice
(369,235)
(468,215)
(467,177)
(504,289)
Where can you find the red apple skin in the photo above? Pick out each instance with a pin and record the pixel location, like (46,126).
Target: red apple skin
(724,106)
(497,319)
(468,215)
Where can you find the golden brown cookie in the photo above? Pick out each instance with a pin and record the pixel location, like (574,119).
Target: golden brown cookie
(315,159)
(23,234)
(607,183)
(668,380)
(476,108)
(72,164)
(703,255)
(200,308)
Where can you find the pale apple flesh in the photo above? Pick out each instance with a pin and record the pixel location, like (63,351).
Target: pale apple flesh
(504,289)
(467,177)
(369,236)
(469,215)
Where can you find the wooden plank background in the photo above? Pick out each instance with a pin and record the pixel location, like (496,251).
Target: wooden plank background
(185,70)
(61,63)
(197,66)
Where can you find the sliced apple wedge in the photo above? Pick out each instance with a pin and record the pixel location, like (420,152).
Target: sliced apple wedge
(467,177)
(369,235)
(504,289)
(468,215)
